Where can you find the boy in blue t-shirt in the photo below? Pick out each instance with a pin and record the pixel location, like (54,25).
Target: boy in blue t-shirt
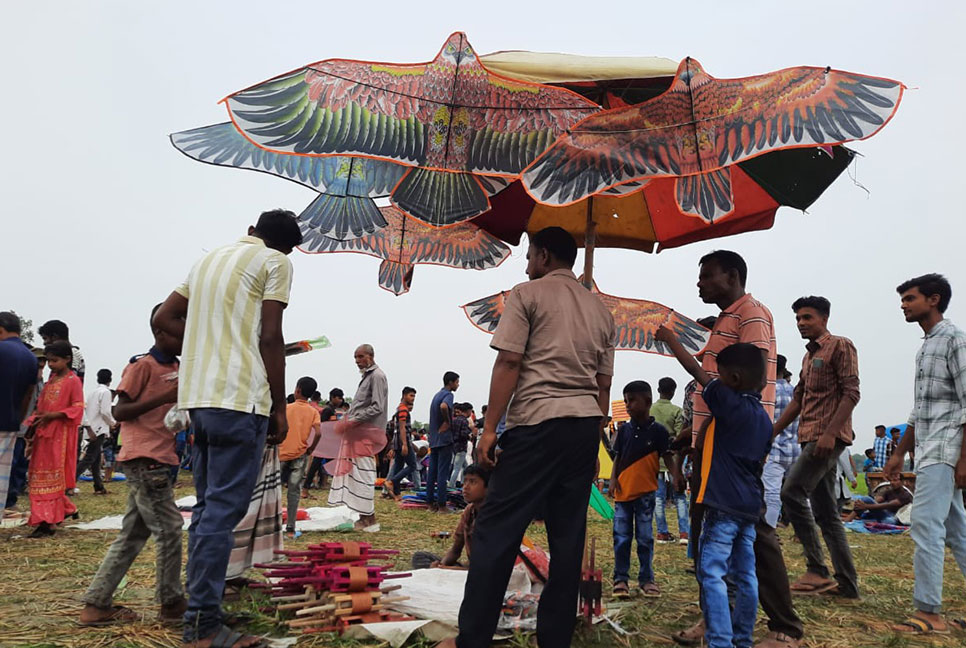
(735,446)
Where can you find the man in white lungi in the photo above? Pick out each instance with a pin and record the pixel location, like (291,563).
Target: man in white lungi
(356,489)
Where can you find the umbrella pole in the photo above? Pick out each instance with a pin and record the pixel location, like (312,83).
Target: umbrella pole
(590,240)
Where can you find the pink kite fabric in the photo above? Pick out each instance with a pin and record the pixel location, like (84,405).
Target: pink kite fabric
(51,456)
(345,440)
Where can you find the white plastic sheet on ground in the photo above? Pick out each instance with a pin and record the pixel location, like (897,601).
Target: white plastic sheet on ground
(320,519)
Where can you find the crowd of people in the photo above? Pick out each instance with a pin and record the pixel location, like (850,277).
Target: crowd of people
(746,448)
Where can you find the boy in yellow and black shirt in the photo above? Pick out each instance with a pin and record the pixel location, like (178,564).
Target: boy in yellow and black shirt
(639,445)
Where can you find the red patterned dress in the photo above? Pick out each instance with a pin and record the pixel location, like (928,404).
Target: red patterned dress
(48,474)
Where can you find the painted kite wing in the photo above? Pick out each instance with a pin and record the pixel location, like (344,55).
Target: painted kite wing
(461,246)
(485,313)
(732,120)
(344,210)
(337,106)
(637,321)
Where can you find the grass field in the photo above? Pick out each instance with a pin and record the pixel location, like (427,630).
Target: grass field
(44,579)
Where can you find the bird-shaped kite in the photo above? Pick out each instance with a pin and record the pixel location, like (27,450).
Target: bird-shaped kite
(406,241)
(451,121)
(702,125)
(345,209)
(637,320)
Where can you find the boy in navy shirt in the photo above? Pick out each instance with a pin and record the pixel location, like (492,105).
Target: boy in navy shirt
(735,446)
(633,484)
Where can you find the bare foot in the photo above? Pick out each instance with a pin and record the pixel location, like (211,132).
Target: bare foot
(92,615)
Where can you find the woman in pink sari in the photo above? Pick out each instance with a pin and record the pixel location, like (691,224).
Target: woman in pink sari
(59,411)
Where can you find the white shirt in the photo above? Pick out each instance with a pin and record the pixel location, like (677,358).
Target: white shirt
(97,411)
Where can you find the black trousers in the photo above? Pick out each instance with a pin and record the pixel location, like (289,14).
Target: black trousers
(92,460)
(549,467)
(774,593)
(316,468)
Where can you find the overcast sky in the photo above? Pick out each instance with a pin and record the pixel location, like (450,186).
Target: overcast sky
(103,217)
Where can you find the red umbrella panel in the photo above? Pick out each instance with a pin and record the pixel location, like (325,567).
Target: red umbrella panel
(451,121)
(637,321)
(702,126)
(406,241)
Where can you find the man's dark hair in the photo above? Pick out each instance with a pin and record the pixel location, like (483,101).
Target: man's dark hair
(780,363)
(104,376)
(336,393)
(746,359)
(450,376)
(880,426)
(408,390)
(666,385)
(894,430)
(10,322)
(290,399)
(868,451)
(475,469)
(558,242)
(316,395)
(708,322)
(151,319)
(929,285)
(728,261)
(55,329)
(637,387)
(279,227)
(483,409)
(307,385)
(820,304)
(60,348)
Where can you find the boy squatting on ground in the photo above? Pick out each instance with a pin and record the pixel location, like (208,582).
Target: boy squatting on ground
(148,388)
(295,451)
(475,481)
(634,483)
(735,446)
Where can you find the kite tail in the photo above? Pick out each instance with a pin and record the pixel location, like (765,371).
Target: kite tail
(343,217)
(706,195)
(441,198)
(395,277)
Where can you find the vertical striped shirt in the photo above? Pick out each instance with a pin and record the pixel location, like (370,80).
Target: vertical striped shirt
(221,365)
(830,374)
(749,321)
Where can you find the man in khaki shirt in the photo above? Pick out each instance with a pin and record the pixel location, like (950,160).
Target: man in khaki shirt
(555,344)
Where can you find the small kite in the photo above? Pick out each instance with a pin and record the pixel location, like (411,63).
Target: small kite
(462,131)
(637,320)
(702,125)
(406,241)
(348,185)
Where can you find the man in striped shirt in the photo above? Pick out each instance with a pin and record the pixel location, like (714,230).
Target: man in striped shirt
(721,281)
(826,394)
(232,379)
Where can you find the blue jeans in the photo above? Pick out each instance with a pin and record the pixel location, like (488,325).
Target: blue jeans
(886,517)
(630,517)
(225,460)
(402,467)
(456,472)
(727,549)
(938,519)
(680,501)
(440,460)
(18,472)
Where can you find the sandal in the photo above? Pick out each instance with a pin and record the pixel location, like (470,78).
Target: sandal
(918,626)
(958,624)
(119,614)
(651,590)
(621,590)
(227,638)
(690,636)
(803,588)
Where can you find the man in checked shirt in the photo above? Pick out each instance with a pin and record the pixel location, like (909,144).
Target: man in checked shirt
(936,427)
(827,392)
